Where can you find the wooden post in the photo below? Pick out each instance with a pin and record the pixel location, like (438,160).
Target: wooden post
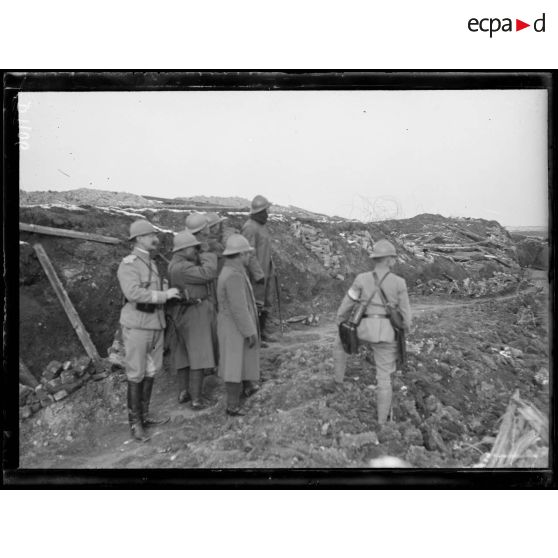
(73,316)
(39,229)
(25,376)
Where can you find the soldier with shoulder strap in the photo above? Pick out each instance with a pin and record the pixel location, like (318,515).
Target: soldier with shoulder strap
(375,327)
(143,321)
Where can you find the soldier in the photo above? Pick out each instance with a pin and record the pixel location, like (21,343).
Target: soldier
(197,224)
(215,238)
(257,233)
(192,270)
(237,325)
(143,321)
(375,327)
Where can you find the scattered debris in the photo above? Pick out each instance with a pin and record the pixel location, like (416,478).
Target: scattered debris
(522,439)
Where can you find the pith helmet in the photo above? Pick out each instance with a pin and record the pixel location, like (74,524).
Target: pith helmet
(259,203)
(383,248)
(196,222)
(236,244)
(141,227)
(184,239)
(213,219)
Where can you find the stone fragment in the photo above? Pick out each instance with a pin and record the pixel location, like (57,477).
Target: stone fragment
(53,385)
(60,395)
(52,370)
(66,376)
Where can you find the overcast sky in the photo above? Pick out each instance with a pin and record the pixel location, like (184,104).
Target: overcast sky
(357,154)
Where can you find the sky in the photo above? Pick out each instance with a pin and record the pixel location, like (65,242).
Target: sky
(366,155)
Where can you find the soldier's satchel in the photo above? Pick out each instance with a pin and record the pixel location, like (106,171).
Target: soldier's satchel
(348,329)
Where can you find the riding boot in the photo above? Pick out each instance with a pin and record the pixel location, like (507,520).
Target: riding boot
(196,384)
(134,411)
(183,375)
(233,399)
(149,419)
(249,388)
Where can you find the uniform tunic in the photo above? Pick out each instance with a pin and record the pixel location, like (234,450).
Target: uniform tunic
(376,331)
(237,319)
(259,238)
(194,345)
(142,332)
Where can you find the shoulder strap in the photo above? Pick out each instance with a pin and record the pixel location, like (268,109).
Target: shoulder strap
(376,285)
(382,294)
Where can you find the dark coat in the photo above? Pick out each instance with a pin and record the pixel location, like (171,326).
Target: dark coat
(193,344)
(237,320)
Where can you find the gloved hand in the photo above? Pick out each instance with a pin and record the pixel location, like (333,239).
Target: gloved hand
(251,341)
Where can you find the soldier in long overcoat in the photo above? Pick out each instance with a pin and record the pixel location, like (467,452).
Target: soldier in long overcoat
(143,321)
(192,271)
(375,328)
(237,325)
(259,237)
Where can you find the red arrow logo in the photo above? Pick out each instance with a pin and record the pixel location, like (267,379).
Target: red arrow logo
(519,25)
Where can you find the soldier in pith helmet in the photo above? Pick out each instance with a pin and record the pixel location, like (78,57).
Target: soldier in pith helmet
(143,322)
(192,270)
(237,325)
(377,289)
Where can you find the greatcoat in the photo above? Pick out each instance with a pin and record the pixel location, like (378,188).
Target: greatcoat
(259,238)
(237,319)
(193,344)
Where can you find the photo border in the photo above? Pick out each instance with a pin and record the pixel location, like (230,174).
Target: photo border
(261,80)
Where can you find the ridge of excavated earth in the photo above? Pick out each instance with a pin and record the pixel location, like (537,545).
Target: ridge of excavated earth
(480,300)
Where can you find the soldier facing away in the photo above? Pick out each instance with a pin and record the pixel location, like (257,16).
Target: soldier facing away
(192,270)
(375,328)
(143,322)
(237,325)
(257,233)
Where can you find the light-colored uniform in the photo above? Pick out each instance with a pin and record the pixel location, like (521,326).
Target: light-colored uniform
(237,319)
(142,332)
(374,330)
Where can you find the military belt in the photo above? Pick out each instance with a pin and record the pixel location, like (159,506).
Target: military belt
(147,307)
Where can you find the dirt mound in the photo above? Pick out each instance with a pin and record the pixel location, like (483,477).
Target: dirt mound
(84,196)
(532,251)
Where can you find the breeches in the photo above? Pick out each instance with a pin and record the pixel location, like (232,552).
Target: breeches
(144,352)
(385,357)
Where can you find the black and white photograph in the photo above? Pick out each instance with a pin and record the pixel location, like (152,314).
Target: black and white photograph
(284,271)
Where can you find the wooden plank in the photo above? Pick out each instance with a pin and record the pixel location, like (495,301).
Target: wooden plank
(39,229)
(62,295)
(25,376)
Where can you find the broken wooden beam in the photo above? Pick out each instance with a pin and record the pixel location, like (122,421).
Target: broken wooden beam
(64,299)
(452,248)
(52,231)
(25,376)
